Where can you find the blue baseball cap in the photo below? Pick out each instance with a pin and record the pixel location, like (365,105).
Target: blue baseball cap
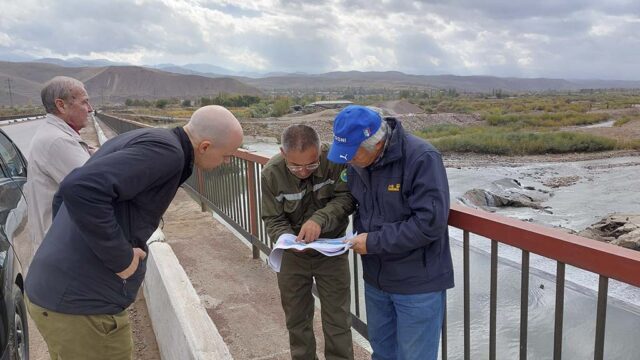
(353,125)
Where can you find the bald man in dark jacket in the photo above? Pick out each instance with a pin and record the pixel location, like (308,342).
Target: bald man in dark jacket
(92,261)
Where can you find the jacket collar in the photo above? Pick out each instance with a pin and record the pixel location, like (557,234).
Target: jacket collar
(393,152)
(63,126)
(187,148)
(324,162)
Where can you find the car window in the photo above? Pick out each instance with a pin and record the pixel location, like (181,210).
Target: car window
(12,159)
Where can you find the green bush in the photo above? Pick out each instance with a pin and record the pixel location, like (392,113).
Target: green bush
(260,110)
(162,103)
(281,107)
(486,141)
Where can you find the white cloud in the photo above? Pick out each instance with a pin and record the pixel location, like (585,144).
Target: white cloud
(5,40)
(573,38)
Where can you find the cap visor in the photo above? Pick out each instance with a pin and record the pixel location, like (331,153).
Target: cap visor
(342,153)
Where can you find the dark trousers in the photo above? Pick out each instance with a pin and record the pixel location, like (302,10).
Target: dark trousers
(333,282)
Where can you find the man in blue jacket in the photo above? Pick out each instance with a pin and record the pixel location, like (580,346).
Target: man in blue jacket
(92,260)
(400,185)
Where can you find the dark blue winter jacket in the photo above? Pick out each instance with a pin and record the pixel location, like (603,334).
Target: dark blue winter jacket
(403,205)
(101,212)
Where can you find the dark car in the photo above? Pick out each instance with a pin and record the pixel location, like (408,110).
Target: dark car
(14,338)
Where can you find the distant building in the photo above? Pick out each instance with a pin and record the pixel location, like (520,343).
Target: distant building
(323,105)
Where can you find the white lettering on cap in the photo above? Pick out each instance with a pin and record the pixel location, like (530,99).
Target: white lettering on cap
(340,139)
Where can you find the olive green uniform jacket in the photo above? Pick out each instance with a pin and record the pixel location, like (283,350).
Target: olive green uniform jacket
(287,201)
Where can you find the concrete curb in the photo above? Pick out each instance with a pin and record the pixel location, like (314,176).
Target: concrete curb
(13,121)
(102,138)
(182,326)
(183,329)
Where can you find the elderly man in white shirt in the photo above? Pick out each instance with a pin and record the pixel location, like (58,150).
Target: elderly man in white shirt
(56,149)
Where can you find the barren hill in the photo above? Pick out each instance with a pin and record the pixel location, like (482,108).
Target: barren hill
(113,83)
(398,80)
(117,83)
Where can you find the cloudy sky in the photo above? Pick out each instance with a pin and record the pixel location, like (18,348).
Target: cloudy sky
(537,38)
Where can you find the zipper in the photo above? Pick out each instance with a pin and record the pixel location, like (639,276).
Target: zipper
(424,257)
(124,287)
(379,272)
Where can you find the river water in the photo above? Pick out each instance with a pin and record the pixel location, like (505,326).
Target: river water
(603,187)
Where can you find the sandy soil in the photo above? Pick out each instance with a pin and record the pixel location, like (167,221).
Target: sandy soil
(145,346)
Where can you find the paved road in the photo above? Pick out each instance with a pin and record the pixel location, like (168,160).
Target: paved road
(21,133)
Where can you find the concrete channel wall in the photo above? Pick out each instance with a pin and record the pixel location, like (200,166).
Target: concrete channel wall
(183,329)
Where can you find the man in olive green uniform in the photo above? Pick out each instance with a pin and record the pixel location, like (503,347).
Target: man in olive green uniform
(306,195)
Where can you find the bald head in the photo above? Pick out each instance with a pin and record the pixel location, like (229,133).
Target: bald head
(213,123)
(215,134)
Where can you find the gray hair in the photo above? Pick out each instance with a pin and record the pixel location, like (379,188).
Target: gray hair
(299,137)
(370,143)
(58,88)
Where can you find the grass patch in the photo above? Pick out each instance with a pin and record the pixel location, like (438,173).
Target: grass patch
(442,130)
(546,119)
(551,102)
(625,119)
(498,141)
(629,144)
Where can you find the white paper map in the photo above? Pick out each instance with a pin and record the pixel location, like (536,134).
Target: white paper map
(328,247)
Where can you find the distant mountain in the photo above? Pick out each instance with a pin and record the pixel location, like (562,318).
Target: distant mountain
(209,69)
(399,80)
(184,71)
(79,62)
(117,83)
(607,84)
(206,70)
(114,84)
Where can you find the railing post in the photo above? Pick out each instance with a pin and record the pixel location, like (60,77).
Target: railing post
(601,317)
(253,206)
(524,304)
(493,300)
(200,182)
(557,337)
(467,297)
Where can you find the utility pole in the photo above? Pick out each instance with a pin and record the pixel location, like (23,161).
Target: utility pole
(10,93)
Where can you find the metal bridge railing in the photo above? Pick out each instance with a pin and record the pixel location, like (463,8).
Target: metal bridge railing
(233,192)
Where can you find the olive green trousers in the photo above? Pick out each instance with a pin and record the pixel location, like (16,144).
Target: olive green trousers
(333,281)
(83,337)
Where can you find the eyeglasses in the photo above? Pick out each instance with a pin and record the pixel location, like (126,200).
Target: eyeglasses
(308,167)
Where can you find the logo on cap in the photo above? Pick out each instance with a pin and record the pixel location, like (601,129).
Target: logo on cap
(340,139)
(367,132)
(345,157)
